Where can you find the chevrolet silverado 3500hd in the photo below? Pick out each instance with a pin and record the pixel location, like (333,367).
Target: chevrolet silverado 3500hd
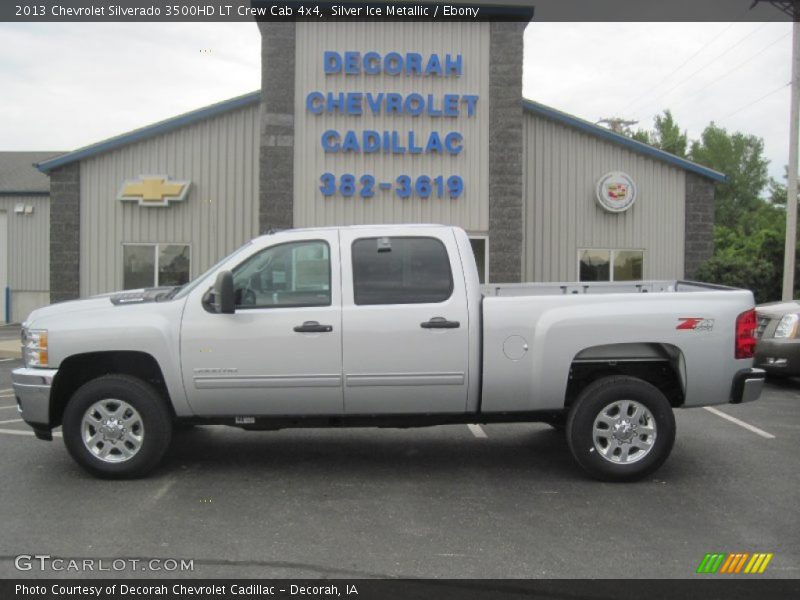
(383,326)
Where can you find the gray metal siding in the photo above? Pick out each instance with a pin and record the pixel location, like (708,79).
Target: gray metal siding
(470,210)
(561,215)
(28,243)
(220,158)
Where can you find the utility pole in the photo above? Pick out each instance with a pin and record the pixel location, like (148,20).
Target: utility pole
(791,199)
(791,8)
(617,124)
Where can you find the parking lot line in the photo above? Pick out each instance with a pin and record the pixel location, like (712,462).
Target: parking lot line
(6,395)
(6,390)
(477,430)
(163,489)
(7,359)
(18,432)
(740,423)
(12,406)
(11,421)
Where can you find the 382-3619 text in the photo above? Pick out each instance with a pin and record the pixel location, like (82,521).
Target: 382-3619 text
(404,186)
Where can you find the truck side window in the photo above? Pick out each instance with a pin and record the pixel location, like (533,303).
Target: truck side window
(401,270)
(292,274)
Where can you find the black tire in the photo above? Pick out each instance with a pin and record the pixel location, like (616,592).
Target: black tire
(155,418)
(602,394)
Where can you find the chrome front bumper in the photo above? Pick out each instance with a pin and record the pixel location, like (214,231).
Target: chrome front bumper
(32,389)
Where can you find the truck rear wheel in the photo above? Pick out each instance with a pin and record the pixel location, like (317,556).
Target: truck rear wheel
(117,426)
(620,428)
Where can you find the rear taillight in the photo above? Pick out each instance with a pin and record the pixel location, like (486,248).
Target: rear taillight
(746,334)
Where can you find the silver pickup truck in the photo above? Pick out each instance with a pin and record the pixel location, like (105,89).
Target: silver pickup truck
(382,326)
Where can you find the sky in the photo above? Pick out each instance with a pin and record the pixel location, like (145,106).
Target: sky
(63,86)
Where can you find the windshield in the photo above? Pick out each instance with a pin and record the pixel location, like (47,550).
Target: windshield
(186,289)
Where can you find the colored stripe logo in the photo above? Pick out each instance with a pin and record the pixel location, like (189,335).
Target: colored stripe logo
(734,563)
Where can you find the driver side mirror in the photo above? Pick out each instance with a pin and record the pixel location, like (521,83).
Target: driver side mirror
(224,297)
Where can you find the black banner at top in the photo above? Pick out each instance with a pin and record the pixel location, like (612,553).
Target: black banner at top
(259,10)
(608,11)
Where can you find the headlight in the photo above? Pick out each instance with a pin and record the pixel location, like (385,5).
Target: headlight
(787,328)
(34,347)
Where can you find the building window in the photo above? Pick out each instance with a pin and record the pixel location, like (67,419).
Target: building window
(401,270)
(479,249)
(154,265)
(611,265)
(292,274)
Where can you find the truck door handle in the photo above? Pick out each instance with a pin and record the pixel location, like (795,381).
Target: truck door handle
(313,327)
(440,323)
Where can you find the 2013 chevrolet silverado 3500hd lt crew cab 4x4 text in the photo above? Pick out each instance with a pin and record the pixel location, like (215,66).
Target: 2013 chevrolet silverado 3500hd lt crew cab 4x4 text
(383,326)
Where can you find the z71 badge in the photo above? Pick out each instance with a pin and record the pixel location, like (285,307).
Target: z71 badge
(695,324)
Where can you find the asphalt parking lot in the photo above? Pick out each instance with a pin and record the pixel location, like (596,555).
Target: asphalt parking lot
(501,501)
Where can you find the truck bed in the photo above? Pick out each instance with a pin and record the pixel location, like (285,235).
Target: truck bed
(532,335)
(597,287)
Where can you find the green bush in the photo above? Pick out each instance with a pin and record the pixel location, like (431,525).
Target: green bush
(754,274)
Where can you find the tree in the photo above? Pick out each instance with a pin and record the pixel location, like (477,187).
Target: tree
(665,135)
(778,191)
(750,255)
(749,230)
(741,158)
(641,135)
(758,275)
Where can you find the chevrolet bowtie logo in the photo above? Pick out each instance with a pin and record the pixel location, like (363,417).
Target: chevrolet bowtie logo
(154,190)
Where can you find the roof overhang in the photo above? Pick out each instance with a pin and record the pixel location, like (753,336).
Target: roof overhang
(616,138)
(254,97)
(150,131)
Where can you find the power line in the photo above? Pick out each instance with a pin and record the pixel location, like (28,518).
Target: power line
(736,68)
(712,61)
(685,62)
(765,96)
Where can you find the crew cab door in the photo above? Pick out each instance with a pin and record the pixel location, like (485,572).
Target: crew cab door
(280,353)
(404,321)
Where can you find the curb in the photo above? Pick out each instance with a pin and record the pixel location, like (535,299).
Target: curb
(10,350)
(10,347)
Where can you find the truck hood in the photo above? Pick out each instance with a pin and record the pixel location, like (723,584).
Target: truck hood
(96,303)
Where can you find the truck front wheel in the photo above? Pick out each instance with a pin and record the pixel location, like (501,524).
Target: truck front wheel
(117,426)
(620,428)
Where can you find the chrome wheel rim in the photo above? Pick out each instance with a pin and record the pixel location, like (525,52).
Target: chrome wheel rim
(112,430)
(624,432)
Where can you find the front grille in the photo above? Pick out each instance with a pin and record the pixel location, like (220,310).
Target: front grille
(762,325)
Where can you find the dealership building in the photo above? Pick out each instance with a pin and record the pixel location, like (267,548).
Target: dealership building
(361,123)
(24,232)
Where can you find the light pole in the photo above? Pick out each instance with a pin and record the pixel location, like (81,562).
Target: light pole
(791,196)
(791,8)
